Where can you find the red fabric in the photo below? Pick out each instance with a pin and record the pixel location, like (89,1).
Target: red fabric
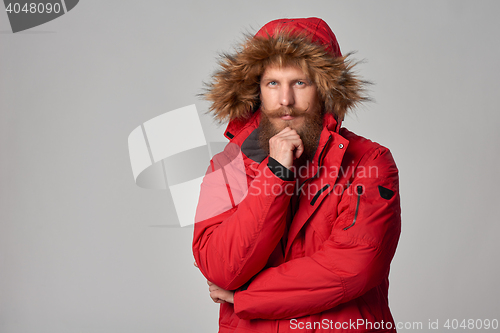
(315,28)
(329,270)
(324,267)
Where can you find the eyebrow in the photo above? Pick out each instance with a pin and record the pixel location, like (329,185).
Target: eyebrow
(270,78)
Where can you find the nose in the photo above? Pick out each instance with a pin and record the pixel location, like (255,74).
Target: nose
(287,97)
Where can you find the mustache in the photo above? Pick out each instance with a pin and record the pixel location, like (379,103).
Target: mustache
(286,111)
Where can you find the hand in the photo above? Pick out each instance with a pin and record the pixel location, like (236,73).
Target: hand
(285,146)
(219,295)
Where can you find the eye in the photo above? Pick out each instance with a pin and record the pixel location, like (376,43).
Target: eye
(300,83)
(272,83)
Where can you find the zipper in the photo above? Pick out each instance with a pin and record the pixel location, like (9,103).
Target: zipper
(319,165)
(308,179)
(359,190)
(313,201)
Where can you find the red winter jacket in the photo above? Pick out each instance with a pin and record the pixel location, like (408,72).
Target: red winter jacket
(306,257)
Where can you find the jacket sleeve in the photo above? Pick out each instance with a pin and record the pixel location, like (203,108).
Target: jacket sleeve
(355,258)
(233,246)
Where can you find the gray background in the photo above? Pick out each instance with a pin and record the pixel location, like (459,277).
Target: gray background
(83,249)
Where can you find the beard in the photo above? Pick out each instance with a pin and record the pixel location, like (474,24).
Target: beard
(309,131)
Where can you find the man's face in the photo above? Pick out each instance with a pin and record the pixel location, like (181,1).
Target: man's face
(290,99)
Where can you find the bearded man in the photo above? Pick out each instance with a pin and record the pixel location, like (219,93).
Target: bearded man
(313,253)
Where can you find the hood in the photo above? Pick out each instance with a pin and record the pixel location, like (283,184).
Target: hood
(308,43)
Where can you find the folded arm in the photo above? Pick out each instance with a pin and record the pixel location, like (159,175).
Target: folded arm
(232,247)
(355,258)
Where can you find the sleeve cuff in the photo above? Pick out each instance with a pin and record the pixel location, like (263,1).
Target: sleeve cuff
(279,170)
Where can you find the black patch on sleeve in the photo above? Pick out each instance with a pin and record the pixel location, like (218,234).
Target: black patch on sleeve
(229,135)
(385,192)
(280,170)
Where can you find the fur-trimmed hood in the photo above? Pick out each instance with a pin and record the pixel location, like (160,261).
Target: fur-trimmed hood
(306,43)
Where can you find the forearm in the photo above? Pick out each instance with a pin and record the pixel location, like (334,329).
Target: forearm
(310,285)
(234,246)
(289,291)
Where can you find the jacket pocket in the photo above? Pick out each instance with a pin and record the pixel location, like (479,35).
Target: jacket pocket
(316,196)
(359,192)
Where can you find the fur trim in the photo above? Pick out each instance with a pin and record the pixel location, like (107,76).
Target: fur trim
(234,90)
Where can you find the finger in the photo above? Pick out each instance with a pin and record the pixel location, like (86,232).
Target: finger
(299,150)
(284,130)
(287,133)
(279,140)
(218,300)
(292,143)
(213,287)
(215,299)
(216,296)
(209,283)
(287,136)
(195,264)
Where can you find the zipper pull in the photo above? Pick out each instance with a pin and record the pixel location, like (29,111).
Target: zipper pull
(359,190)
